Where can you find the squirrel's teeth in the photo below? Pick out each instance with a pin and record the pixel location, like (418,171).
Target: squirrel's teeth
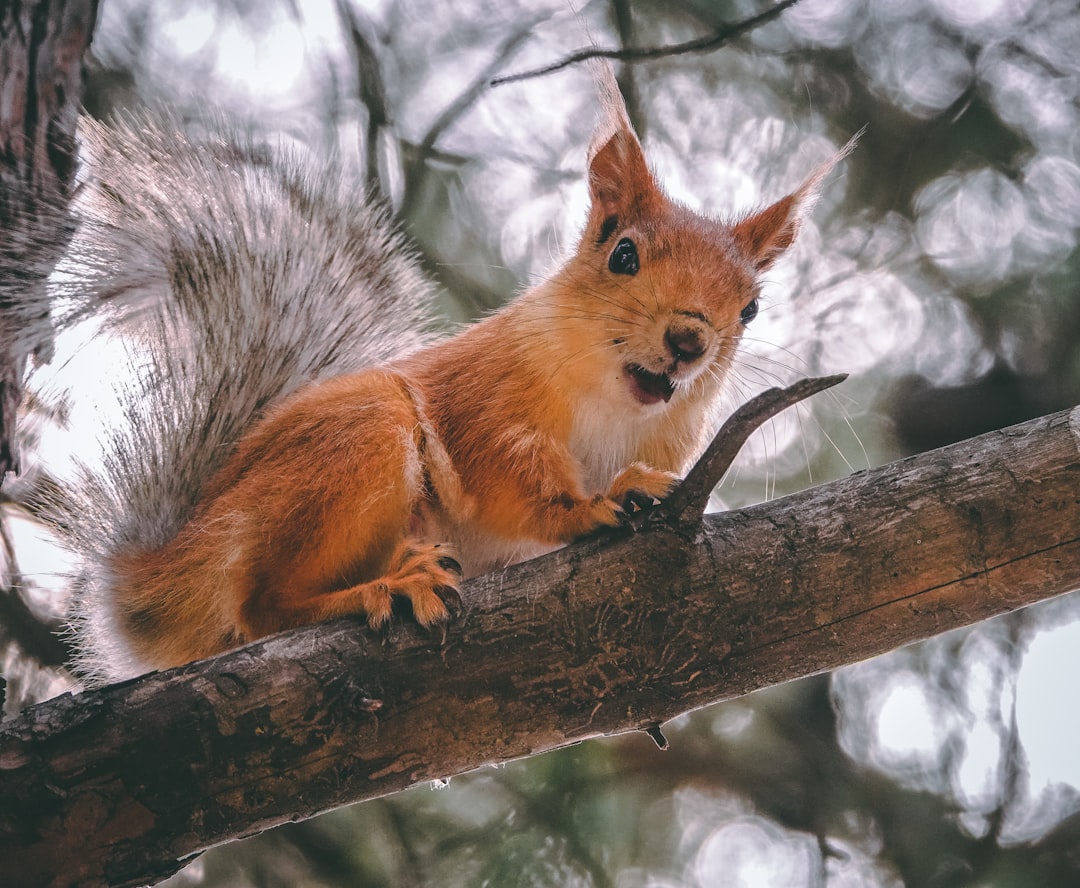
(649,388)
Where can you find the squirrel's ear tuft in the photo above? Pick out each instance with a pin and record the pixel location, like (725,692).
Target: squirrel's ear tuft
(619,179)
(766,234)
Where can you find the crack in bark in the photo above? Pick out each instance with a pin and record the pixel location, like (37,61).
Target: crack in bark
(911,597)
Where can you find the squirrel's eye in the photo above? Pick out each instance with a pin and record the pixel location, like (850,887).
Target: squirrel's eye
(750,312)
(624,258)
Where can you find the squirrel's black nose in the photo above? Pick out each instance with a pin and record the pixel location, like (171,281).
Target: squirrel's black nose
(686,344)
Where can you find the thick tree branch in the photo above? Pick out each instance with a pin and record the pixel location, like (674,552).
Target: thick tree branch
(117,785)
(721,36)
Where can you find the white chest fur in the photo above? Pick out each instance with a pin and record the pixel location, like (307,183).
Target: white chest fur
(606,438)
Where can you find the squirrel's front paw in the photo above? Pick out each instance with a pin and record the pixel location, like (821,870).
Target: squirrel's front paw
(635,488)
(639,486)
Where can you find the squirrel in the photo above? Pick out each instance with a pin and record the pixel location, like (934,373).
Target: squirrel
(296,447)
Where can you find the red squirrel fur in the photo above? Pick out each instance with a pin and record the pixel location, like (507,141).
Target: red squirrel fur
(517,435)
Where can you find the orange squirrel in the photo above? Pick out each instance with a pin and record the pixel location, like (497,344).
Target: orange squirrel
(517,435)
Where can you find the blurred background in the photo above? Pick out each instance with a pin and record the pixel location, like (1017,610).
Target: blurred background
(940,269)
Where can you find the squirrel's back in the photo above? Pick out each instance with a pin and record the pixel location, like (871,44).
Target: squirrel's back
(239,273)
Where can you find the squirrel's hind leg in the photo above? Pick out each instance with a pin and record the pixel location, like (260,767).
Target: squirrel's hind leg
(424,574)
(320,501)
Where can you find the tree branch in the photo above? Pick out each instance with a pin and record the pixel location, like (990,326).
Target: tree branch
(424,152)
(687,503)
(719,37)
(41,50)
(118,785)
(19,624)
(623,13)
(371,91)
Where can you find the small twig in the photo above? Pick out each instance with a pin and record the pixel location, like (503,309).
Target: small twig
(707,43)
(18,622)
(452,113)
(686,504)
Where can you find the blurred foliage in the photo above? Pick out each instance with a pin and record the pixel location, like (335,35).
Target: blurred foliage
(940,269)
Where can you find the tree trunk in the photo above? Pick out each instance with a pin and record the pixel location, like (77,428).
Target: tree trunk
(118,785)
(42,43)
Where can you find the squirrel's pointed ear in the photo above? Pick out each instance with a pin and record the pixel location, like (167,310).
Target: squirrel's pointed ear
(766,234)
(620,183)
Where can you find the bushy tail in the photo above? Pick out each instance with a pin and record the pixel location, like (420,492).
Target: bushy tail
(239,273)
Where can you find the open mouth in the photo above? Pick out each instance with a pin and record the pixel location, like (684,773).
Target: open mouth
(649,388)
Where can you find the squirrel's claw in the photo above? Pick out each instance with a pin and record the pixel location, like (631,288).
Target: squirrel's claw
(635,501)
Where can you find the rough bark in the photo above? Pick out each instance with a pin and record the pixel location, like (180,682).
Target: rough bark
(41,78)
(42,43)
(118,785)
